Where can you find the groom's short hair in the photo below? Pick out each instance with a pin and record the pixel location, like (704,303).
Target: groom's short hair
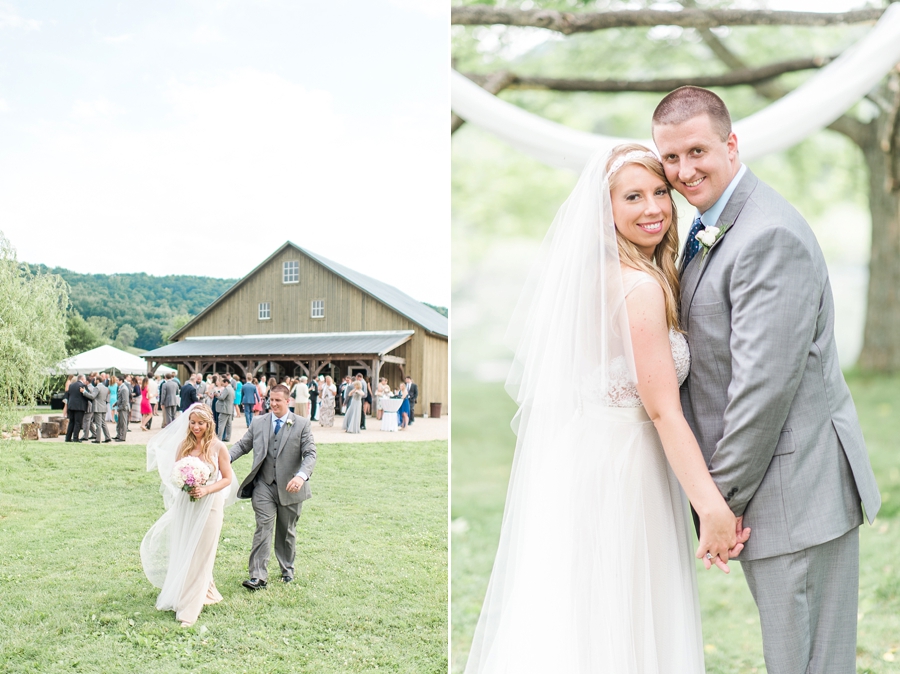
(688,102)
(282,389)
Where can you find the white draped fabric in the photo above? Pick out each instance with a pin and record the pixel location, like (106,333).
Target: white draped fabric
(811,107)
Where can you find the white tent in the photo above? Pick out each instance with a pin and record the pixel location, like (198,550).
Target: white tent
(102,358)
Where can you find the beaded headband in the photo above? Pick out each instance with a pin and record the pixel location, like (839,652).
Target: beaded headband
(629,157)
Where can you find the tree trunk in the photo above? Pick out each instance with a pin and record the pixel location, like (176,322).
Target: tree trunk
(881,338)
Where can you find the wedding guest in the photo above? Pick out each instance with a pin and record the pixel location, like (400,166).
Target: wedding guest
(412,393)
(178,553)
(238,394)
(153,395)
(189,394)
(403,412)
(363,411)
(89,392)
(146,407)
(354,409)
(250,400)
(69,380)
(136,400)
(272,383)
(168,400)
(314,396)
(123,407)
(100,392)
(326,410)
(77,404)
(300,394)
(113,385)
(225,407)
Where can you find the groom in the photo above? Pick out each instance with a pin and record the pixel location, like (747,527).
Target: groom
(284,455)
(766,397)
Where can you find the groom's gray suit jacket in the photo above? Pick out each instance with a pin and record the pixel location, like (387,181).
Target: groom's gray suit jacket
(294,450)
(766,397)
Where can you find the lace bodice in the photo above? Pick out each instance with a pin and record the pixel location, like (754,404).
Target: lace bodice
(622,391)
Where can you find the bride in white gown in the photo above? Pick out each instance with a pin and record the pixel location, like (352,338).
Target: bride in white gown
(594,571)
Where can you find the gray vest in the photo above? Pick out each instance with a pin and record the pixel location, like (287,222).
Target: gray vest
(267,469)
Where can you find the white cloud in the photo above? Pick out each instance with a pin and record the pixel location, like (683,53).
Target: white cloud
(433,8)
(100,108)
(10,18)
(118,39)
(241,165)
(206,35)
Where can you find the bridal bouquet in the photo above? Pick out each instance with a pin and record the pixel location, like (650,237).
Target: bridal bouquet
(190,472)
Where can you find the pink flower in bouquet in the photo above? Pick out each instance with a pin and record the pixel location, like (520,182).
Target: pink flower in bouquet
(190,472)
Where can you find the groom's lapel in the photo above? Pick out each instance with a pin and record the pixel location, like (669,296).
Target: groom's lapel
(284,433)
(694,271)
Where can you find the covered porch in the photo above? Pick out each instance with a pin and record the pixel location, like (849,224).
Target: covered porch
(375,354)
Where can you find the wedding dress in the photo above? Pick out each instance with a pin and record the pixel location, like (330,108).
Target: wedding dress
(595,570)
(179,551)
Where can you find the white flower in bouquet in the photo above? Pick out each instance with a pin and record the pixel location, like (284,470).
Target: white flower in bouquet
(190,472)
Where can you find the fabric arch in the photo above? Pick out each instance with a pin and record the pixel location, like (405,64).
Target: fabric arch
(809,108)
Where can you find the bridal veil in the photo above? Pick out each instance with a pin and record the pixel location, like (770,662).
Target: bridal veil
(594,555)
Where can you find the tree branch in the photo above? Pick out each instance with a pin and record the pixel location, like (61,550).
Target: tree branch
(568,22)
(734,78)
(494,84)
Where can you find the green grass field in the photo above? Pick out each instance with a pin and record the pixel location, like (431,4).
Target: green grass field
(483,446)
(370,592)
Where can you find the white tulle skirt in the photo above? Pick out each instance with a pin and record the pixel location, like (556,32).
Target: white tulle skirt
(595,569)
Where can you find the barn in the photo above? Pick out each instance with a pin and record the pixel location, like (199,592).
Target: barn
(299,313)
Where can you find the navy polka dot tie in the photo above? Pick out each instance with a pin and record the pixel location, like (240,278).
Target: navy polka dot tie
(692,246)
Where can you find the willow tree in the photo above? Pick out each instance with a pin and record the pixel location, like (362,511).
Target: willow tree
(32,331)
(874,130)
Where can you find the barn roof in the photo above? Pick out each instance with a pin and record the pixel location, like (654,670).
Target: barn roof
(303,344)
(403,304)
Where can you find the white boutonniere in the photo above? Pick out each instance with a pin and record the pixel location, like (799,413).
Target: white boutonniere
(289,422)
(708,237)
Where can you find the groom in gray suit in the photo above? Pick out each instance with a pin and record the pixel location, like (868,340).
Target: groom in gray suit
(766,397)
(284,455)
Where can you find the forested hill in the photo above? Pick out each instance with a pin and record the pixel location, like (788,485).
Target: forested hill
(153,305)
(136,310)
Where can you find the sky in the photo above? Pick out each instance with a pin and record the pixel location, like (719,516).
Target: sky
(197,136)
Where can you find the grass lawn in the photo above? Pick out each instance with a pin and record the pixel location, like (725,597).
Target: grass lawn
(483,446)
(370,592)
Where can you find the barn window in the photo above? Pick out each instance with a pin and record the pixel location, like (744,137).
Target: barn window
(265,311)
(318,308)
(291,271)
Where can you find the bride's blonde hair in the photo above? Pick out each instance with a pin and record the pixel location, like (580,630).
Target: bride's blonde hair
(664,271)
(206,440)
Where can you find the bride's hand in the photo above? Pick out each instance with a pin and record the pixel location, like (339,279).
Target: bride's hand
(718,537)
(198,492)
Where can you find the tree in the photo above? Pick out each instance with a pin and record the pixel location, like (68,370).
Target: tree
(103,327)
(32,331)
(80,336)
(126,336)
(875,130)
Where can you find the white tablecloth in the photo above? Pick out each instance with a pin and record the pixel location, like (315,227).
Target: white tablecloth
(389,408)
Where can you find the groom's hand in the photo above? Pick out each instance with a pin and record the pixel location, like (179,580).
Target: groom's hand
(295,485)
(743,535)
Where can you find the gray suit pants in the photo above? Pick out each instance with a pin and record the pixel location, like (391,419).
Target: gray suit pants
(86,422)
(271,515)
(225,426)
(122,424)
(807,605)
(97,423)
(169,414)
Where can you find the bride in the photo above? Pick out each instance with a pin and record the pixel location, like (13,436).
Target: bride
(179,551)
(594,570)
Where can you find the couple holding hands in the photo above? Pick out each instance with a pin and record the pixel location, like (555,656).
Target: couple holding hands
(713,377)
(179,551)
